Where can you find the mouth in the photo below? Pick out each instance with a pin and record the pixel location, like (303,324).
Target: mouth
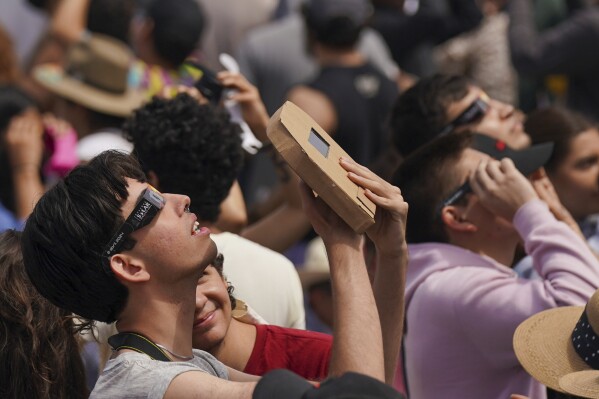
(197,230)
(202,321)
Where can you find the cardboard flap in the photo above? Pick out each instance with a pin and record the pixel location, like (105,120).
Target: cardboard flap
(314,156)
(368,204)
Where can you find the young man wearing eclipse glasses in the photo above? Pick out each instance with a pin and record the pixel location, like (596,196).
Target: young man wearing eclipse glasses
(107,246)
(468,214)
(443,104)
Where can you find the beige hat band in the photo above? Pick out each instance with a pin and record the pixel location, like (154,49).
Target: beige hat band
(586,341)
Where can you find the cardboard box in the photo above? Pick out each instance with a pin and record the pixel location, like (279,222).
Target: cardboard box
(314,156)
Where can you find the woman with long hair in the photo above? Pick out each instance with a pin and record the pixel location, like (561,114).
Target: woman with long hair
(39,355)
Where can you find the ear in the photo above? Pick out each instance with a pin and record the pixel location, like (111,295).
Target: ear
(153,179)
(454,219)
(128,269)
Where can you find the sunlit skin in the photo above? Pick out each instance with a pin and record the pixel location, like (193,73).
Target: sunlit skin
(214,329)
(169,243)
(479,229)
(576,178)
(501,121)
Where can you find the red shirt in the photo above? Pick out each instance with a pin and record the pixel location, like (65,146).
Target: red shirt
(306,353)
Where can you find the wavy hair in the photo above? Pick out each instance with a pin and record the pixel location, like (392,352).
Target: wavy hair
(39,355)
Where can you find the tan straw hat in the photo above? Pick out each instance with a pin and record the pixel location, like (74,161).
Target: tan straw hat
(560,348)
(95,76)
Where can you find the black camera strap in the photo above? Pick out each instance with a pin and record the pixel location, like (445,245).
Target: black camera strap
(138,343)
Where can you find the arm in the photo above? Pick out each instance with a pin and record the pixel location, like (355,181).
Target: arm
(25,148)
(233,215)
(388,236)
(357,344)
(285,225)
(565,48)
(200,385)
(69,20)
(252,107)
(498,304)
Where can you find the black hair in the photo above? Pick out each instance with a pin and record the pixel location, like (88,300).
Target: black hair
(420,113)
(340,32)
(559,125)
(177,29)
(67,231)
(218,265)
(193,149)
(111,17)
(426,178)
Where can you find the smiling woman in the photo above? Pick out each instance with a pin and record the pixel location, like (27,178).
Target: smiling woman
(574,166)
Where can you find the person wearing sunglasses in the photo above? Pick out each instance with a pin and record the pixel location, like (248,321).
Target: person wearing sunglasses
(442,104)
(106,246)
(468,213)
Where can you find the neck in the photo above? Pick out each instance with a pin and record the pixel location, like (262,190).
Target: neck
(328,56)
(237,346)
(163,319)
(501,250)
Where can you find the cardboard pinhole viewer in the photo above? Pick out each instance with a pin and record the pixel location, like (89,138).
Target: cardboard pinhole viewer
(314,156)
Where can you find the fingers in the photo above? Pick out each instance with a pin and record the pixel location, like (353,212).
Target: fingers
(376,189)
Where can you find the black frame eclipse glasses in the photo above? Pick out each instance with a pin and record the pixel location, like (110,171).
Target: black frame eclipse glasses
(473,112)
(148,206)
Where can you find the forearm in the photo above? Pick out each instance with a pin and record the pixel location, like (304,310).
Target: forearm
(388,287)
(358,342)
(70,19)
(28,188)
(233,215)
(560,256)
(280,229)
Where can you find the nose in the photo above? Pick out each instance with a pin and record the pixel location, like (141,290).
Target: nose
(505,110)
(181,202)
(201,300)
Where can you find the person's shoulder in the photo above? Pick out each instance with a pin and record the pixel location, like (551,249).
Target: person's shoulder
(294,333)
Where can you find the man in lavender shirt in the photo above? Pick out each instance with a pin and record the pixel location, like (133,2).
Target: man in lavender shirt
(463,302)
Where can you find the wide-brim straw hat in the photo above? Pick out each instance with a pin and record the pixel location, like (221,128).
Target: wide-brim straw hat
(95,75)
(560,348)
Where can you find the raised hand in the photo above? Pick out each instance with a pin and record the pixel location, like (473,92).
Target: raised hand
(388,232)
(501,188)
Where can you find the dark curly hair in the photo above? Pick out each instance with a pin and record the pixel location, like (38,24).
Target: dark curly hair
(193,149)
(421,112)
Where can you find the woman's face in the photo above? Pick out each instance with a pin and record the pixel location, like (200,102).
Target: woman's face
(213,310)
(576,179)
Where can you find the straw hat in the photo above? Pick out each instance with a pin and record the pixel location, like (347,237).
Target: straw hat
(316,266)
(95,76)
(560,348)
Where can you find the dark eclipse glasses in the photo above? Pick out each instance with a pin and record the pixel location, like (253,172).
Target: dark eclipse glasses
(476,110)
(151,201)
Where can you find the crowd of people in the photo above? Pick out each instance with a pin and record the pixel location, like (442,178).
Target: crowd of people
(154,244)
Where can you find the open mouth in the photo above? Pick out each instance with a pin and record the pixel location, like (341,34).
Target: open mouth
(198,230)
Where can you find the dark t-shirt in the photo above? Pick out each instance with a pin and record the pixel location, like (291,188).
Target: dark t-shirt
(362,98)
(306,353)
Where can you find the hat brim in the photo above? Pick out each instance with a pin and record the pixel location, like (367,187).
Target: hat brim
(543,345)
(53,78)
(582,383)
(526,160)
